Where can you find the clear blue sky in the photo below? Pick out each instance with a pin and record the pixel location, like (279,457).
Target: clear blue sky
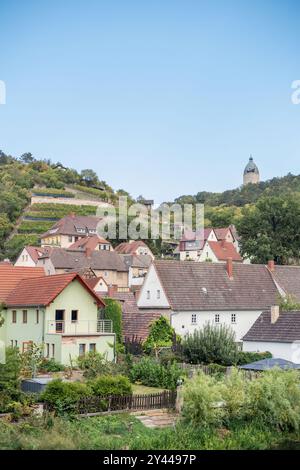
(160,97)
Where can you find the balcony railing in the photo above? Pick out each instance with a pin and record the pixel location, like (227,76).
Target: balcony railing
(82,327)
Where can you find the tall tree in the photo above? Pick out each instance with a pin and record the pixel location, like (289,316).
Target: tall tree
(270,230)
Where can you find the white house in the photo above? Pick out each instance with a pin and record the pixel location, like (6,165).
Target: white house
(278,333)
(195,293)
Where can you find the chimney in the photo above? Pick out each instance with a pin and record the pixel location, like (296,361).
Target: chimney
(88,252)
(112,290)
(229,268)
(271,265)
(274,313)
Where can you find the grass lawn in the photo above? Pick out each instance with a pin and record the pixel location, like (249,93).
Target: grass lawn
(143,390)
(125,432)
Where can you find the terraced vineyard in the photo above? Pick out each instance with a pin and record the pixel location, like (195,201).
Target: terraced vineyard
(37,220)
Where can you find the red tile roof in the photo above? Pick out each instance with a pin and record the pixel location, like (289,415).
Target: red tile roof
(35,252)
(224,250)
(89,242)
(128,248)
(221,232)
(11,275)
(43,290)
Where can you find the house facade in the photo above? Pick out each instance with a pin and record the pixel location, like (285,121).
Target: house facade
(192,294)
(208,246)
(29,256)
(60,312)
(106,264)
(134,247)
(69,230)
(276,332)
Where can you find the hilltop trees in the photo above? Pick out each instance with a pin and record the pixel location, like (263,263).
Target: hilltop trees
(270,230)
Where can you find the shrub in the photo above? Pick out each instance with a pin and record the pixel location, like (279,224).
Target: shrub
(150,372)
(93,364)
(211,344)
(111,385)
(245,357)
(63,397)
(274,399)
(234,391)
(160,335)
(52,192)
(10,373)
(50,365)
(201,397)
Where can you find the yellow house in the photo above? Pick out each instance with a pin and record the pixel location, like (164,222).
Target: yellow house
(61,312)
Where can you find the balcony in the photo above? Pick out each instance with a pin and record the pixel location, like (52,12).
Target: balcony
(82,327)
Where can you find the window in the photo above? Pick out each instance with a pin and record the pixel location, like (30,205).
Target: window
(158,294)
(148,294)
(92,347)
(24,316)
(81,349)
(217,318)
(12,343)
(37,316)
(74,316)
(26,345)
(47,349)
(14,316)
(233,318)
(53,350)
(16,343)
(70,238)
(105,273)
(187,255)
(194,318)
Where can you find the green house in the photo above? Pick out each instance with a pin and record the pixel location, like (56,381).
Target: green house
(61,312)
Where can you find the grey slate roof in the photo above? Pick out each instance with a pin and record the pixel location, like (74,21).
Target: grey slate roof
(285,330)
(75,259)
(266,364)
(137,261)
(70,224)
(206,286)
(288,277)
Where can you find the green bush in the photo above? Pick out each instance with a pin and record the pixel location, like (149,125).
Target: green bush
(111,385)
(245,357)
(274,399)
(201,397)
(63,397)
(211,344)
(10,373)
(150,372)
(50,365)
(93,364)
(161,334)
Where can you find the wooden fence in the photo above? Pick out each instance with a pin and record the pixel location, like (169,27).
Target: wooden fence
(166,399)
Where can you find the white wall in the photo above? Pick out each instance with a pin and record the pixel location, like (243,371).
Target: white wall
(288,351)
(208,254)
(25,259)
(182,321)
(152,284)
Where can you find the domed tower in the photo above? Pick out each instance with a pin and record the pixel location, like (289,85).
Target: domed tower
(251,173)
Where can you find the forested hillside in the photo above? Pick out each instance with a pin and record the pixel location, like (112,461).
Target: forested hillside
(248,194)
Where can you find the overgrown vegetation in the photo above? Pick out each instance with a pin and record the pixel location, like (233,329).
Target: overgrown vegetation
(272,400)
(149,371)
(161,334)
